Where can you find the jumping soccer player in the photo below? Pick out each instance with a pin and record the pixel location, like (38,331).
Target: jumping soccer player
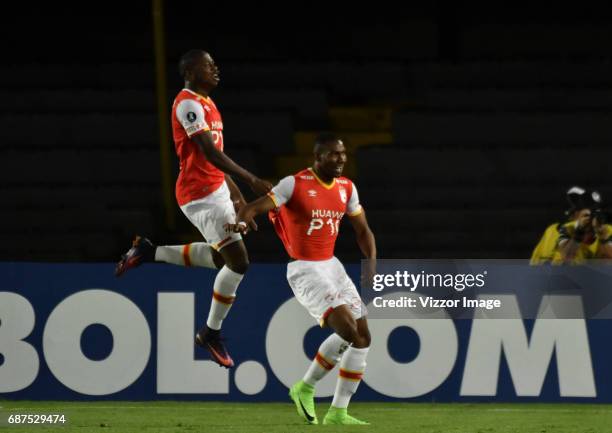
(208,197)
(306,210)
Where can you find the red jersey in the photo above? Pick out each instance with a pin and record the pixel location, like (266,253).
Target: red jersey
(194,114)
(309,211)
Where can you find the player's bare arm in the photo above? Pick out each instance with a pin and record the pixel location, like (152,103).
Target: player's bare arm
(249,212)
(235,193)
(224,163)
(238,199)
(365,237)
(366,242)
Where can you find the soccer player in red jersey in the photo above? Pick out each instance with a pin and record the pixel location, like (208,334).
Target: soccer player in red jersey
(207,196)
(306,210)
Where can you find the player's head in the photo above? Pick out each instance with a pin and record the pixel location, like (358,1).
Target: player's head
(198,68)
(330,155)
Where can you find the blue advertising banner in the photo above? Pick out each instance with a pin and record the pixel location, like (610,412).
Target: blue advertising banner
(75,332)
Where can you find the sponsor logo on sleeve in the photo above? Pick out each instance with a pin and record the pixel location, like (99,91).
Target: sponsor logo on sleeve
(193,129)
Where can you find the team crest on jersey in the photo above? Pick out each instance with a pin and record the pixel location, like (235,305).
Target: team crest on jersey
(312,193)
(191,116)
(342,194)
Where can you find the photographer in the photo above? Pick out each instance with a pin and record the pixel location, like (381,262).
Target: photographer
(588,236)
(545,250)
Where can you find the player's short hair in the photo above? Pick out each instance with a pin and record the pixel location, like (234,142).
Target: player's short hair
(189,60)
(323,140)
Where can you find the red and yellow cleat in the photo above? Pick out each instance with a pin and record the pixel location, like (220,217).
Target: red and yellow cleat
(211,341)
(142,251)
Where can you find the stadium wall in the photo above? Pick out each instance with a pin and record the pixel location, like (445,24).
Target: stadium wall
(74,332)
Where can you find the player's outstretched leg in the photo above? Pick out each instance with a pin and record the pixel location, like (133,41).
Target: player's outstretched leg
(209,337)
(143,250)
(198,254)
(224,294)
(352,365)
(302,392)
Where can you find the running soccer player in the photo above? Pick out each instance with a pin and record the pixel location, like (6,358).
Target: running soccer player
(207,196)
(306,210)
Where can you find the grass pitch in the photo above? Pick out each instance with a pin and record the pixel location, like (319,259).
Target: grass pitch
(162,416)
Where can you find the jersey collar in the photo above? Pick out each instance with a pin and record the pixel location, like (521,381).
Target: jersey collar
(206,98)
(323,184)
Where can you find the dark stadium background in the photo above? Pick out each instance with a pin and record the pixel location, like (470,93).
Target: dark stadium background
(465,124)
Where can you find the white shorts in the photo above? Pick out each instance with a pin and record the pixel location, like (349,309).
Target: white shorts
(321,286)
(210,214)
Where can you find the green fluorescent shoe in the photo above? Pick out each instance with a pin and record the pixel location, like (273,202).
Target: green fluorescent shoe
(337,416)
(302,395)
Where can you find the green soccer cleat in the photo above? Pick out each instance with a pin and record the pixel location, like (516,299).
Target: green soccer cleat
(302,395)
(337,416)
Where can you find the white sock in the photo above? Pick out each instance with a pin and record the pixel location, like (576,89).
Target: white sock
(352,367)
(195,254)
(325,360)
(224,291)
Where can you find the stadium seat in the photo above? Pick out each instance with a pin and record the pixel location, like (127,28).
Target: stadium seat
(77,102)
(535,40)
(524,99)
(118,130)
(509,74)
(72,167)
(511,129)
(272,131)
(108,76)
(307,104)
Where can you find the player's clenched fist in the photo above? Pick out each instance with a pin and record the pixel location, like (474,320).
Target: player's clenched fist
(240,227)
